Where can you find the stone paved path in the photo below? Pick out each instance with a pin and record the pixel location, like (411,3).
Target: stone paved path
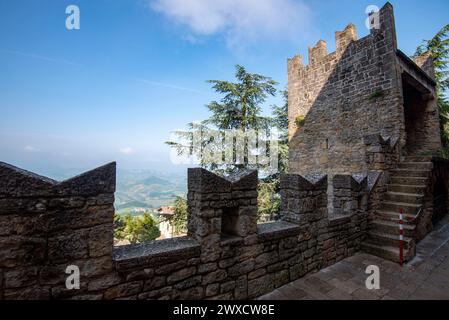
(425,277)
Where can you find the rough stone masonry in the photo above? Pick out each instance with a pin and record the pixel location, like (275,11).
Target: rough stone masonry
(353,115)
(366,87)
(48,225)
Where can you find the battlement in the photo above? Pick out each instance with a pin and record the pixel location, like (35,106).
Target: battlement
(344,95)
(47,226)
(318,54)
(344,38)
(16,182)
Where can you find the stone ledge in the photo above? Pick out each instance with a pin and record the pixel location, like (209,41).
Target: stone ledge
(277,230)
(336,219)
(155,253)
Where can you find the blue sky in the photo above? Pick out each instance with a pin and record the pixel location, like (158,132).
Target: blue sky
(137,69)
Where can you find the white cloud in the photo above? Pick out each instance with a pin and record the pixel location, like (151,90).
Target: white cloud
(239,20)
(31,149)
(126,151)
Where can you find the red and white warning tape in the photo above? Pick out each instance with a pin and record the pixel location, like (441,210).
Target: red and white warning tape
(401,237)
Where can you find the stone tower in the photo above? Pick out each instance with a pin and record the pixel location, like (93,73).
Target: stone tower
(367,87)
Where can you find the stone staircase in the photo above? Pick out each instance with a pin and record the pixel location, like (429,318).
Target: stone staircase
(405,190)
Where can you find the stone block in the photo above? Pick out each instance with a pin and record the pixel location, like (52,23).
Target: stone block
(20,277)
(155,283)
(213,277)
(212,289)
(123,290)
(181,275)
(260,286)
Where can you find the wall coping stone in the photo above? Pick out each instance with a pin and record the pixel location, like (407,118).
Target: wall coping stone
(16,182)
(373,179)
(155,253)
(277,230)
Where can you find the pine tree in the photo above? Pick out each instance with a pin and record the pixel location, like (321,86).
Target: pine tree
(280,121)
(239,109)
(136,229)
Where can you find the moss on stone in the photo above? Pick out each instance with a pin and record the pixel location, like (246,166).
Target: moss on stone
(299,121)
(378,93)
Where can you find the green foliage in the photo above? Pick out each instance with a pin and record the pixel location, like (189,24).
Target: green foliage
(179,219)
(442,153)
(280,121)
(240,109)
(136,229)
(280,117)
(119,226)
(378,93)
(148,228)
(438,46)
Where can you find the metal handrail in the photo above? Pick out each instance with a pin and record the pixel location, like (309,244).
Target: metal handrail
(416,215)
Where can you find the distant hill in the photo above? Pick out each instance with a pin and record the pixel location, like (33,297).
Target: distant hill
(131,204)
(137,189)
(155,180)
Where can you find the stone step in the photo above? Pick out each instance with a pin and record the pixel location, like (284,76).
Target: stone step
(416,181)
(418,159)
(394,216)
(404,188)
(414,198)
(386,252)
(386,239)
(410,173)
(415,165)
(409,208)
(392,228)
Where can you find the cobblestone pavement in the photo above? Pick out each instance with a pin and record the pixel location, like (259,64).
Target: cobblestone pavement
(425,277)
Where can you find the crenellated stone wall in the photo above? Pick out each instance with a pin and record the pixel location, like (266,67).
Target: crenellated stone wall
(437,187)
(46,226)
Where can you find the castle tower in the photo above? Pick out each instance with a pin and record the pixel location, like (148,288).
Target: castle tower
(367,86)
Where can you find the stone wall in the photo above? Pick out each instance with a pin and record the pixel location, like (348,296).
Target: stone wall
(377,187)
(344,96)
(381,154)
(439,179)
(421,115)
(48,225)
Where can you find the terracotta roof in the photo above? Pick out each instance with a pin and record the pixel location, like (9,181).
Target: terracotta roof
(166,210)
